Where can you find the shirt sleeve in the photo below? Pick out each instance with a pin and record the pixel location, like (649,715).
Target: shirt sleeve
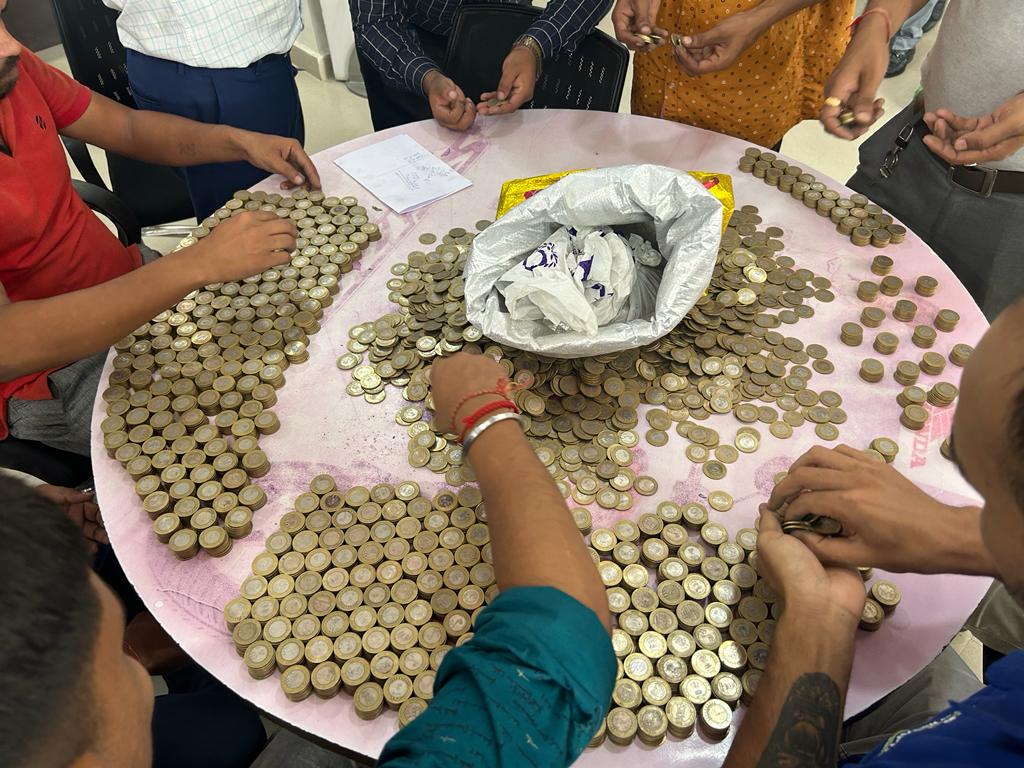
(66,98)
(529,690)
(564,23)
(385,37)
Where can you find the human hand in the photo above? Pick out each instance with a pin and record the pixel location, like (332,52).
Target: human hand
(964,140)
(518,77)
(720,46)
(242,245)
(630,17)
(448,104)
(81,507)
(855,81)
(453,379)
(888,522)
(801,580)
(278,154)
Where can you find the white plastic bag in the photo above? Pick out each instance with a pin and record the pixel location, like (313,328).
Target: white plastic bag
(576,280)
(667,207)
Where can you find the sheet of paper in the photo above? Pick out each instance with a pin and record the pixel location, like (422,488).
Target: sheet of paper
(402,174)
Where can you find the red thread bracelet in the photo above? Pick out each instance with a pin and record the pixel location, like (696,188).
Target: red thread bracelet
(503,387)
(468,422)
(885,14)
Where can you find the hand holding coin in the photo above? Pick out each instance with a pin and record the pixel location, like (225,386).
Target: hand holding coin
(887,521)
(518,77)
(851,107)
(791,568)
(463,382)
(719,47)
(448,104)
(635,23)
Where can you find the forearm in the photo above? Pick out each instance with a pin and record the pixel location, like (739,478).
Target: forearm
(899,10)
(534,538)
(797,713)
(563,24)
(47,333)
(162,139)
(952,543)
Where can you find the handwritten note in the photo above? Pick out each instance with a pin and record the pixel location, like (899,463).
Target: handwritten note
(401,173)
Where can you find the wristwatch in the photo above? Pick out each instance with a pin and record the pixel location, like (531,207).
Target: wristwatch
(530,43)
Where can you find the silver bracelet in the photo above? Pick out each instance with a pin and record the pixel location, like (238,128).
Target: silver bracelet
(480,427)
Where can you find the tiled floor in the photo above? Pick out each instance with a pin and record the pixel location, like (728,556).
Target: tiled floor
(335,115)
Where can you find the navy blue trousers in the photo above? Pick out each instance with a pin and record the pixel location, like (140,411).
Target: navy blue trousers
(261,97)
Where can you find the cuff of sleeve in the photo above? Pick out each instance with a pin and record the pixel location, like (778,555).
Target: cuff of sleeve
(547,36)
(415,72)
(74,110)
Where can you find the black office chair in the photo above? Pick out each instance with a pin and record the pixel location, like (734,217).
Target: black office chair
(156,193)
(591,77)
(50,464)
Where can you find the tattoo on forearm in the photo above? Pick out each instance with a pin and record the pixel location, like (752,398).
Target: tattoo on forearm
(187,149)
(807,732)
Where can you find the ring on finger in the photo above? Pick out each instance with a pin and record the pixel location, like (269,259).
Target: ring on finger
(833,101)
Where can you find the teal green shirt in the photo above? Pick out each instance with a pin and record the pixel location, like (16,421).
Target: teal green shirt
(529,690)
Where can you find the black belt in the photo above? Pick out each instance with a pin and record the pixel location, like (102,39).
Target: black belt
(979,179)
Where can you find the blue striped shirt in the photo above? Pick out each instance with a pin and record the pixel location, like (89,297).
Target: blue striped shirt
(386,36)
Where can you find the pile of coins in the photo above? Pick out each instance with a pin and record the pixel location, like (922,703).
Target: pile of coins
(190,391)
(364,591)
(582,414)
(695,645)
(855,217)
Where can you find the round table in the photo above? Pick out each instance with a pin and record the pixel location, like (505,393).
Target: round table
(323,430)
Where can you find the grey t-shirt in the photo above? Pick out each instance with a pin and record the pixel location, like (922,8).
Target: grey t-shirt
(977,62)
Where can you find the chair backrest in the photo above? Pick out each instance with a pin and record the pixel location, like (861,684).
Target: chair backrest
(590,77)
(88,29)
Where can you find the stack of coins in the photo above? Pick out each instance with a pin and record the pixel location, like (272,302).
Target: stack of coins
(932,363)
(886,447)
(946,320)
(924,336)
(911,396)
(881,265)
(906,373)
(914,417)
(904,310)
(582,414)
(872,317)
(867,291)
(942,394)
(886,343)
(851,334)
(855,217)
(191,390)
(891,285)
(926,285)
(960,354)
(871,370)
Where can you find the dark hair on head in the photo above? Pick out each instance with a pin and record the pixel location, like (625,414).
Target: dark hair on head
(47,634)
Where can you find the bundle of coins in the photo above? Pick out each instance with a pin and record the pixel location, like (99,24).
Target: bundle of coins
(365,590)
(694,646)
(190,391)
(855,217)
(582,413)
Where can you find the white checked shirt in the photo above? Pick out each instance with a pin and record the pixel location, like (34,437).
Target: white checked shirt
(208,33)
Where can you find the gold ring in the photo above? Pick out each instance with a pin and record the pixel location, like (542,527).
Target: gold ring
(833,101)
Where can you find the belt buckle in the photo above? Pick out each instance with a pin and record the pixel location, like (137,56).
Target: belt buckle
(987,184)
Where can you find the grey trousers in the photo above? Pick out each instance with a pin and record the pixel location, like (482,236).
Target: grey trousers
(980,239)
(911,705)
(64,421)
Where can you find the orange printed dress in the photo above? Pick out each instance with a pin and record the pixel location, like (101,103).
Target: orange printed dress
(775,84)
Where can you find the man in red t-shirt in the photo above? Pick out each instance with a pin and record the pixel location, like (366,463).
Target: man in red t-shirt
(68,288)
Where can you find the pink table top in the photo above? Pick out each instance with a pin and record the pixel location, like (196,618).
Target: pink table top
(323,430)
